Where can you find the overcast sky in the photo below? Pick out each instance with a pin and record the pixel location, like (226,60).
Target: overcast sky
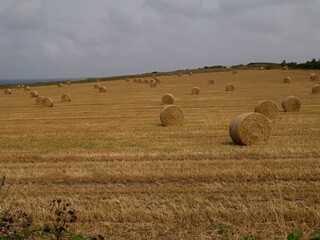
(91,38)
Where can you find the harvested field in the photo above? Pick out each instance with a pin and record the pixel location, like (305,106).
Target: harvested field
(129,177)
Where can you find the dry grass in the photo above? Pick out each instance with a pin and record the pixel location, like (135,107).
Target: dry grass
(128,177)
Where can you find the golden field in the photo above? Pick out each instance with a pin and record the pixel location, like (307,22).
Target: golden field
(129,177)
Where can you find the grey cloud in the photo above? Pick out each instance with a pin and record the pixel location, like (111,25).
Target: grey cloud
(25,14)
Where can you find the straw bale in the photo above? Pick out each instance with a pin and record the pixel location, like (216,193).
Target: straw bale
(39,99)
(171,115)
(66,98)
(7,91)
(229,87)
(316,89)
(168,99)
(47,102)
(195,91)
(291,104)
(287,80)
(102,89)
(210,81)
(153,83)
(250,128)
(33,94)
(268,108)
(314,77)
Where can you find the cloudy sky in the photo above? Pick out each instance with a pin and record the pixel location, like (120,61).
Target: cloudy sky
(82,38)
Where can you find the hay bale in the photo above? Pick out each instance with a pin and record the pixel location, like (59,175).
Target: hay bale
(171,115)
(250,128)
(127,79)
(291,104)
(69,83)
(33,94)
(96,86)
(168,99)
(316,89)
(135,80)
(234,72)
(22,86)
(153,83)
(287,80)
(27,88)
(46,102)
(261,68)
(146,81)
(7,91)
(285,68)
(140,80)
(179,74)
(102,89)
(268,108)
(39,99)
(229,87)
(210,81)
(18,86)
(157,80)
(60,85)
(314,77)
(66,98)
(195,91)
(190,73)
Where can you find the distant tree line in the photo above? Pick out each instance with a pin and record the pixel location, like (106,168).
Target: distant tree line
(313,64)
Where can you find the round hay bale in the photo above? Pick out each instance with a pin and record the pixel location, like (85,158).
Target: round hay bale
(316,89)
(190,73)
(102,89)
(60,85)
(171,115)
(127,80)
(7,91)
(22,86)
(229,87)
(18,86)
(27,88)
(261,68)
(291,104)
(250,128)
(179,74)
(157,80)
(146,81)
(234,72)
(39,99)
(33,94)
(285,68)
(153,83)
(69,83)
(66,98)
(195,91)
(314,77)
(168,99)
(140,80)
(287,80)
(135,80)
(46,102)
(268,108)
(210,81)
(96,86)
